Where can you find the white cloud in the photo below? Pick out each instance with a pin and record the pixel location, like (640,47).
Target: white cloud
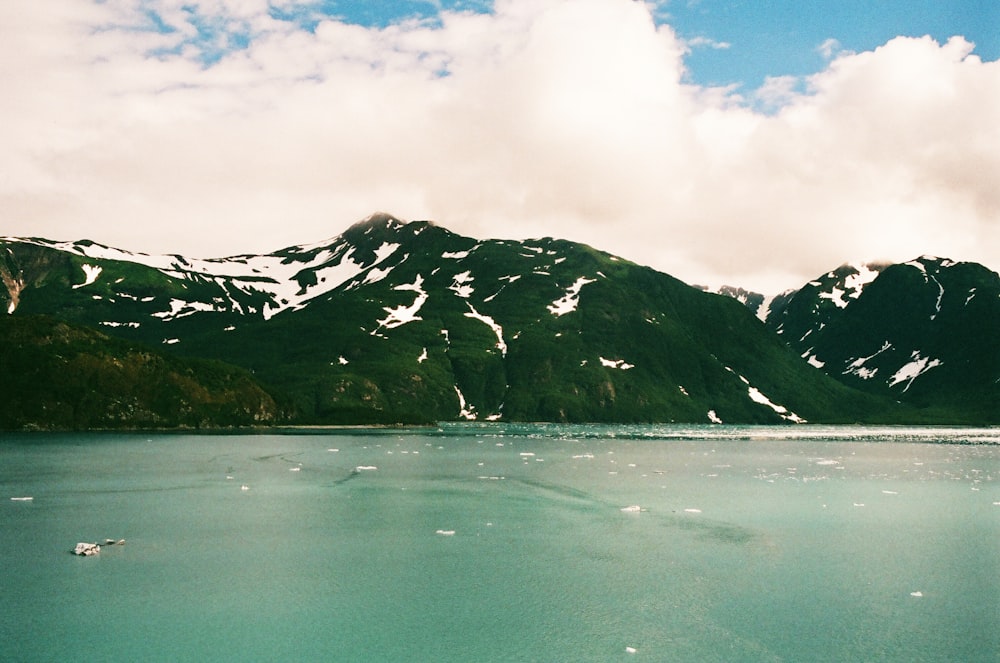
(829,48)
(544,117)
(705,42)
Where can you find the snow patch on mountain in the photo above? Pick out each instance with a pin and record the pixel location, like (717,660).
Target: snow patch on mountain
(937,305)
(914,369)
(616,363)
(812,360)
(857,366)
(757,396)
(400,315)
(465,410)
(276,275)
(492,324)
(460,285)
(180,308)
(568,302)
(90,272)
(855,283)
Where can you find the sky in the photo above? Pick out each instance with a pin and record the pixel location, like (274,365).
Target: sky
(744,142)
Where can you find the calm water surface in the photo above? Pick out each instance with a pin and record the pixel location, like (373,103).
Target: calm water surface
(505,543)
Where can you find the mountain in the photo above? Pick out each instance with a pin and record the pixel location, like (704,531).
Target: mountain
(63,376)
(408,322)
(921,332)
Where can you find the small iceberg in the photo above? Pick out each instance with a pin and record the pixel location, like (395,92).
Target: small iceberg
(916,594)
(630,650)
(21,499)
(445,532)
(365,468)
(114,542)
(86,549)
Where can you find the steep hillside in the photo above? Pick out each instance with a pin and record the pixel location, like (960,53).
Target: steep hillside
(921,332)
(62,376)
(408,322)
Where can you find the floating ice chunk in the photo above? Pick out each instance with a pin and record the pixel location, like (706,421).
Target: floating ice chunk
(365,468)
(827,461)
(445,532)
(633,508)
(86,549)
(859,504)
(21,499)
(526,453)
(713,417)
(917,594)
(244,487)
(889,492)
(616,363)
(692,510)
(294,469)
(630,650)
(423,357)
(455,255)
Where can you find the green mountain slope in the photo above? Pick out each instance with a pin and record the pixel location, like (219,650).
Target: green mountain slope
(62,376)
(922,333)
(408,322)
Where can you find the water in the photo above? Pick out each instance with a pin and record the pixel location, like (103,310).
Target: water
(505,543)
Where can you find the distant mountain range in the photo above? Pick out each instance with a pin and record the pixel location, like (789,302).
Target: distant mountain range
(394,322)
(925,332)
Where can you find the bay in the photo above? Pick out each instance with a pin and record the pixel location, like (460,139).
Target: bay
(505,542)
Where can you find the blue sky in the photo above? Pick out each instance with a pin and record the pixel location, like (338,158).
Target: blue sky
(752,143)
(741,42)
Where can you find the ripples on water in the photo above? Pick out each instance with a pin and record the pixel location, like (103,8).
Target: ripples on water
(505,542)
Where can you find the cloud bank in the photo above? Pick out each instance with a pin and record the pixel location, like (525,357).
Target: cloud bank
(227,126)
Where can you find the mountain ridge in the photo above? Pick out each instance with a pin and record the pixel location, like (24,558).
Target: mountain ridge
(393,322)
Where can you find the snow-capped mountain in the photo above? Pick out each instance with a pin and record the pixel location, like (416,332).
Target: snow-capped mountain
(923,332)
(404,322)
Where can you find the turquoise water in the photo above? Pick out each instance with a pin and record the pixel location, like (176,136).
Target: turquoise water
(505,543)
